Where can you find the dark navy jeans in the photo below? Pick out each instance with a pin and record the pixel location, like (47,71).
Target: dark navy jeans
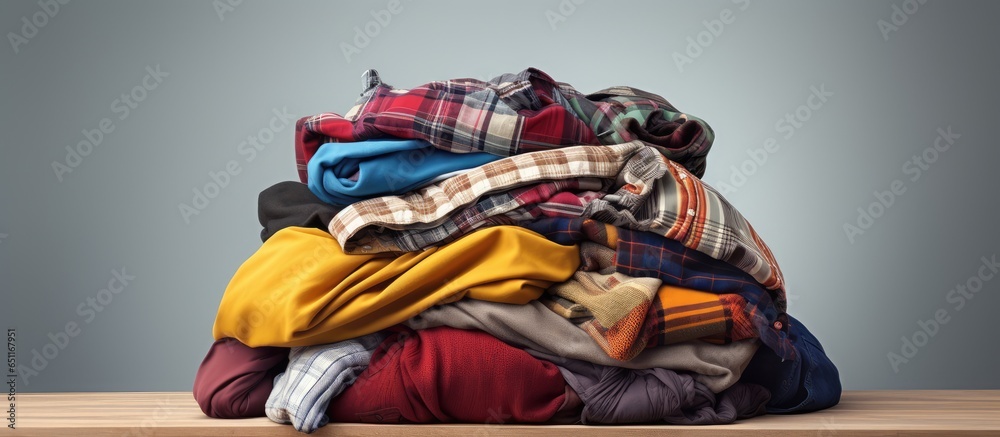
(809,383)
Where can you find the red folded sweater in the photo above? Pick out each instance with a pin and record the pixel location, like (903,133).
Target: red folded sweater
(451,375)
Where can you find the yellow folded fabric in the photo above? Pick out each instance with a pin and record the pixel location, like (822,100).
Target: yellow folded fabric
(301,289)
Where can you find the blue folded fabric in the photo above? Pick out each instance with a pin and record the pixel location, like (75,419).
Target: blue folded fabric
(344,173)
(810,382)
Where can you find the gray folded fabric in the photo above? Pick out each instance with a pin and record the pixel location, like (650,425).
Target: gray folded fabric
(540,331)
(613,395)
(315,375)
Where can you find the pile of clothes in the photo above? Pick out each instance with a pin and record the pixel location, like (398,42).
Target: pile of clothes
(510,251)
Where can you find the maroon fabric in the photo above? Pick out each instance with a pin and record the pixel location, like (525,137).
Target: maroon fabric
(451,375)
(234,379)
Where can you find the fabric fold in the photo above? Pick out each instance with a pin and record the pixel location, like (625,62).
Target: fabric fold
(613,395)
(607,249)
(451,375)
(809,383)
(536,329)
(508,115)
(287,204)
(650,194)
(301,289)
(315,375)
(234,380)
(626,315)
(562,198)
(343,173)
(631,168)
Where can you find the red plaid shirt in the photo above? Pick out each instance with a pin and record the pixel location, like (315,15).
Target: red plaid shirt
(511,114)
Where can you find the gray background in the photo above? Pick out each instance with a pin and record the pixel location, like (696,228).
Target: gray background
(59,241)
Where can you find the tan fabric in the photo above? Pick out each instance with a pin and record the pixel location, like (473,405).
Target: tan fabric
(535,328)
(627,315)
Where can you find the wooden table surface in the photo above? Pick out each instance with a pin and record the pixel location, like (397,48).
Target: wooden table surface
(860,413)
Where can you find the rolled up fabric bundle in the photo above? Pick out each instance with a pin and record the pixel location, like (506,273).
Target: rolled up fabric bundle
(234,380)
(343,173)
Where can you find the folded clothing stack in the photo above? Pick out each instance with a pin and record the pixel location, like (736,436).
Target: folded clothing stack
(510,251)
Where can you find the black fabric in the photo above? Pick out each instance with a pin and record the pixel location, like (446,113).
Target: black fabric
(288,204)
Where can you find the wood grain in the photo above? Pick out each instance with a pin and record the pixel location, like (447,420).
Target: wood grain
(860,413)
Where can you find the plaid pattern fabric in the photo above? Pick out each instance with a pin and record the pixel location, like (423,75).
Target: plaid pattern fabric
(622,113)
(565,308)
(651,194)
(625,315)
(315,375)
(685,209)
(680,314)
(509,115)
(645,254)
(633,165)
(564,198)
